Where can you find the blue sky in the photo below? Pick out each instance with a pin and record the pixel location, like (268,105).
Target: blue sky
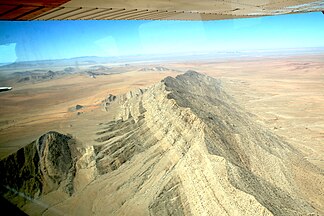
(37,40)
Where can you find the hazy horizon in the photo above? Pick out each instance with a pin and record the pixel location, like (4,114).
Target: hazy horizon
(49,40)
(169,56)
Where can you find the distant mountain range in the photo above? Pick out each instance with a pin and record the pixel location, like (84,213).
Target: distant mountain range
(41,75)
(158,69)
(92,60)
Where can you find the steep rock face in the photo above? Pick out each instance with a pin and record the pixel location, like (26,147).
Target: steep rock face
(38,168)
(257,161)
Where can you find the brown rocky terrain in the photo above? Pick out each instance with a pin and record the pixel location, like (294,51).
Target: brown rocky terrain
(180,147)
(39,168)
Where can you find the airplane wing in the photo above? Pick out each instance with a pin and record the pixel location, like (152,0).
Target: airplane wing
(5,89)
(151,9)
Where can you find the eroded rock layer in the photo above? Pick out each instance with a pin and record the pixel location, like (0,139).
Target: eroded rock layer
(224,163)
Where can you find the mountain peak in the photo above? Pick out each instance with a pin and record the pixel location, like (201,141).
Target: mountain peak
(193,117)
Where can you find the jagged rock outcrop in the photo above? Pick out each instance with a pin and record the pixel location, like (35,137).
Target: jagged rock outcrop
(39,168)
(127,102)
(105,103)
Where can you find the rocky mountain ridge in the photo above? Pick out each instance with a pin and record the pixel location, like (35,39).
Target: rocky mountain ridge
(184,147)
(256,161)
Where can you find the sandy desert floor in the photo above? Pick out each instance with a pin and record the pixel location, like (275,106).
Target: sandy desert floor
(285,94)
